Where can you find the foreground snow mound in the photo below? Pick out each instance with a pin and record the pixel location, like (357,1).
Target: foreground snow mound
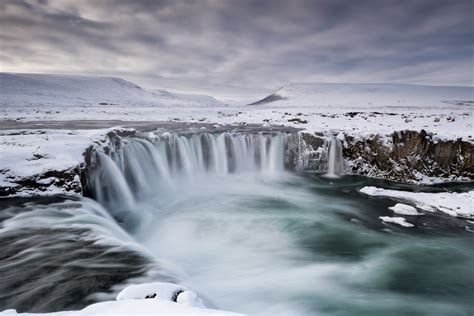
(75,90)
(367,95)
(160,290)
(453,204)
(157,298)
(133,307)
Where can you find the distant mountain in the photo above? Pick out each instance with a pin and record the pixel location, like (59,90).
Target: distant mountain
(19,89)
(366,94)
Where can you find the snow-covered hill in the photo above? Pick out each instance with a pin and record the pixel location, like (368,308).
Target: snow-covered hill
(73,90)
(367,95)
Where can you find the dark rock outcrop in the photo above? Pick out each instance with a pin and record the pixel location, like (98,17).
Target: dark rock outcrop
(408,156)
(405,156)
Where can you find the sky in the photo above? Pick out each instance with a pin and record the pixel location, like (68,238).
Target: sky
(241,48)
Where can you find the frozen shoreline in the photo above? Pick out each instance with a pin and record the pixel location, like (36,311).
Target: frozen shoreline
(454,204)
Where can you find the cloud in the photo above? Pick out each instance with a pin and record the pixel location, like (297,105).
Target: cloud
(210,44)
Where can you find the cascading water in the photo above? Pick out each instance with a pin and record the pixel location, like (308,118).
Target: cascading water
(335,158)
(137,166)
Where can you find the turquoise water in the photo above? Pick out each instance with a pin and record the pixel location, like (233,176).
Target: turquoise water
(307,245)
(283,244)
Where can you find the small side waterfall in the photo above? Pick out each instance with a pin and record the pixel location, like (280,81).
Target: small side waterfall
(133,166)
(335,159)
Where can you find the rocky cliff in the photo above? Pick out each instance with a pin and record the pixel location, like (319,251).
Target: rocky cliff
(404,156)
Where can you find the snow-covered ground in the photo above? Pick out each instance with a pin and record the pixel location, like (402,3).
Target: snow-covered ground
(453,204)
(449,123)
(27,154)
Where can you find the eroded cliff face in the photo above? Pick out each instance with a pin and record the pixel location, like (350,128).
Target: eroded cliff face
(405,156)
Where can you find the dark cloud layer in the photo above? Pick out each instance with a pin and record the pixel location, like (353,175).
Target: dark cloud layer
(243,45)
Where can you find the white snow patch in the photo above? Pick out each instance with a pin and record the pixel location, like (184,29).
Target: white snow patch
(396,220)
(163,291)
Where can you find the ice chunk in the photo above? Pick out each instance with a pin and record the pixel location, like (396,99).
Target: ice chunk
(404,209)
(396,220)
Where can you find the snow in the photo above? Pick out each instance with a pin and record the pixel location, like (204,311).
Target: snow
(161,290)
(31,154)
(22,89)
(396,220)
(404,209)
(357,110)
(157,298)
(372,95)
(37,152)
(147,298)
(451,203)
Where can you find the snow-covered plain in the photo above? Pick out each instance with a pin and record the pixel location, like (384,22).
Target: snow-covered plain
(446,112)
(453,204)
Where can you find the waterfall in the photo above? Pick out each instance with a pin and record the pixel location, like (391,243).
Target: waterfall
(134,166)
(335,159)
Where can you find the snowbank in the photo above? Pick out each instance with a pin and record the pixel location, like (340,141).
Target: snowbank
(453,204)
(156,298)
